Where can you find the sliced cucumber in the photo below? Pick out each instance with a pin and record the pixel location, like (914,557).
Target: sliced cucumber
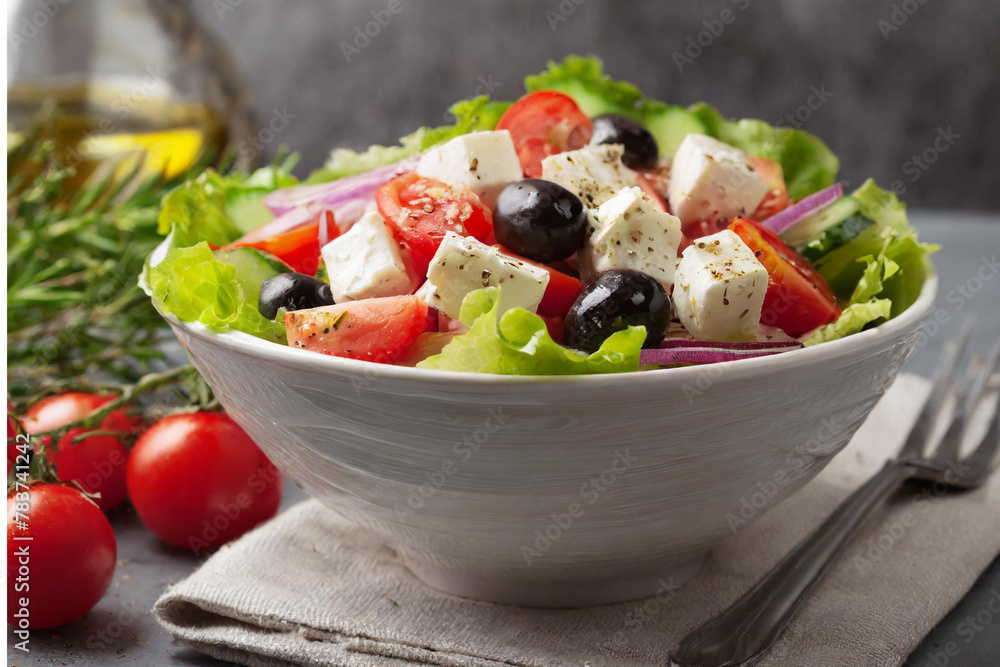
(245,208)
(253,267)
(822,220)
(834,237)
(669,125)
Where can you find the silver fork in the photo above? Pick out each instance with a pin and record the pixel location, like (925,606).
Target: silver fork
(742,633)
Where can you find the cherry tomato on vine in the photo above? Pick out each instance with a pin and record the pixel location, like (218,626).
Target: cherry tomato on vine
(12,450)
(96,462)
(70,557)
(197,481)
(57,411)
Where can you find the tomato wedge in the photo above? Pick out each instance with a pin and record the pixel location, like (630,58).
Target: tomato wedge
(379,330)
(653,187)
(544,123)
(798,299)
(554,325)
(695,230)
(420,211)
(776,198)
(299,246)
(560,293)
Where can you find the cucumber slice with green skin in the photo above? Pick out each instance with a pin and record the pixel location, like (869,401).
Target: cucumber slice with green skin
(253,267)
(822,220)
(669,125)
(834,237)
(245,208)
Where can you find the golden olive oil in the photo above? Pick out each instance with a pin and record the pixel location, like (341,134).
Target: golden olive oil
(113,125)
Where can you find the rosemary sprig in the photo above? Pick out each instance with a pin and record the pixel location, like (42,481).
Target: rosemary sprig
(73,306)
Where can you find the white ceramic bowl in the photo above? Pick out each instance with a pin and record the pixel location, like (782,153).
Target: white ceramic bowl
(553,491)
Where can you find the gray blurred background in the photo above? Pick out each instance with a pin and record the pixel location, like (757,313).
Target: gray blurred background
(903,90)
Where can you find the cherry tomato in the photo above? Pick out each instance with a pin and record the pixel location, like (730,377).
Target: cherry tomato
(298,247)
(544,123)
(70,557)
(776,198)
(798,299)
(12,443)
(96,462)
(198,481)
(420,211)
(56,411)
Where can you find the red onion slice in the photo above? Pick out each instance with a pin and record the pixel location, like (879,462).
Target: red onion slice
(433,323)
(710,354)
(752,345)
(333,193)
(802,209)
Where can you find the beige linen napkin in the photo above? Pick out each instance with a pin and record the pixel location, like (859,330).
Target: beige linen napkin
(309,588)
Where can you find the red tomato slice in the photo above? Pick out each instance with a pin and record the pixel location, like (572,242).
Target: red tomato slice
(421,211)
(554,325)
(298,247)
(561,291)
(379,330)
(699,228)
(798,299)
(776,198)
(650,187)
(544,123)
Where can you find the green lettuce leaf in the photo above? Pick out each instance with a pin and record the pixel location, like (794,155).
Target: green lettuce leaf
(583,79)
(808,164)
(201,208)
(472,115)
(196,287)
(196,211)
(519,344)
(854,318)
(880,272)
(891,241)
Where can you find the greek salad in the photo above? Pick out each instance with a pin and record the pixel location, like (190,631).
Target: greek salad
(582,228)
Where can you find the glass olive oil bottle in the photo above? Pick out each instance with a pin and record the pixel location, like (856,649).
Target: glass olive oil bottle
(133,82)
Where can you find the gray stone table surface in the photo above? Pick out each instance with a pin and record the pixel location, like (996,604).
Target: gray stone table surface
(121,630)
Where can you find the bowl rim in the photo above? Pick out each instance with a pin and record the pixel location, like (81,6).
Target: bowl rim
(848,346)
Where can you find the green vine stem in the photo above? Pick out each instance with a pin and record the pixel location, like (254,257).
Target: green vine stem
(128,394)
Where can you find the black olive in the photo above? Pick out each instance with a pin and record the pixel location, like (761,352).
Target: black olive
(540,220)
(641,151)
(292,291)
(618,299)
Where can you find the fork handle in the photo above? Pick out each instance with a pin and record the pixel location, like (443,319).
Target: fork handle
(747,628)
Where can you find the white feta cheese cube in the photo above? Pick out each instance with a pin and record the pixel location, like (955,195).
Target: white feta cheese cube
(710,180)
(719,289)
(463,264)
(593,173)
(366,262)
(482,161)
(629,232)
